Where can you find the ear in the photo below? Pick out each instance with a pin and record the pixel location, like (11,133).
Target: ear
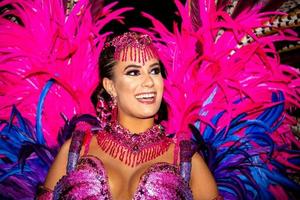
(109,87)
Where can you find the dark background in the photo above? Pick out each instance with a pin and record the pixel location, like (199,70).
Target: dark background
(165,11)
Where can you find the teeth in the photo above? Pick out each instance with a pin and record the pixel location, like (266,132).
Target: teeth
(145,96)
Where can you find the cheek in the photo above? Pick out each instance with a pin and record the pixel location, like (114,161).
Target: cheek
(125,88)
(160,85)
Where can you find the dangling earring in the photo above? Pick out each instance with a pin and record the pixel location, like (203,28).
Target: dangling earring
(114,108)
(103,111)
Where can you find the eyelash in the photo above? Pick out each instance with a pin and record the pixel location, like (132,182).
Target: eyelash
(133,73)
(154,71)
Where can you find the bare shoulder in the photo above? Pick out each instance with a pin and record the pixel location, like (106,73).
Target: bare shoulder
(202,182)
(58,168)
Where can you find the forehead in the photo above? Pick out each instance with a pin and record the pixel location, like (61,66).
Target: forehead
(136,56)
(121,65)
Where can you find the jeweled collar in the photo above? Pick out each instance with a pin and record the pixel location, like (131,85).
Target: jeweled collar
(133,149)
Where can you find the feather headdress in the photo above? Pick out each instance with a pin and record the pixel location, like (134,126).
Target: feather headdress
(49,57)
(225,84)
(49,64)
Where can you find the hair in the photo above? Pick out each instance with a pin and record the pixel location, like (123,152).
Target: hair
(107,62)
(106,65)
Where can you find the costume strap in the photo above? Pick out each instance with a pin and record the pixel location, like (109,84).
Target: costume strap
(79,136)
(186,154)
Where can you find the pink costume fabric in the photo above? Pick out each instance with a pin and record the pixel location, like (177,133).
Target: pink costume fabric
(88,179)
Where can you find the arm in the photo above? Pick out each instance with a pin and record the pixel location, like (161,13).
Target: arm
(58,168)
(68,155)
(202,181)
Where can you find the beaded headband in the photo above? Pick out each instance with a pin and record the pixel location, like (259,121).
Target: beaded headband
(133,46)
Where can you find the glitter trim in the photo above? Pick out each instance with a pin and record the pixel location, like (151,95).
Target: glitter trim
(134,47)
(133,149)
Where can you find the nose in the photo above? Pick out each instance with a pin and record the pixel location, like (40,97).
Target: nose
(148,81)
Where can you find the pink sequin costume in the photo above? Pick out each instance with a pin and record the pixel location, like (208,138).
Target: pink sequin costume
(88,179)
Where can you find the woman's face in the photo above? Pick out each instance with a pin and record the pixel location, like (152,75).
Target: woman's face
(137,87)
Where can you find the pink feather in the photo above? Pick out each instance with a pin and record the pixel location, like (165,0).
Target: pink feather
(233,71)
(51,45)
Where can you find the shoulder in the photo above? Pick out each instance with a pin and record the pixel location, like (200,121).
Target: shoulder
(199,168)
(58,168)
(202,182)
(198,160)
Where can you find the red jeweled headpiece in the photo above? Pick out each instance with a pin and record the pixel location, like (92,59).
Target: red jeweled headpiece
(133,46)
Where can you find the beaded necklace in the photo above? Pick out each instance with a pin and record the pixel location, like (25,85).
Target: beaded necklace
(133,149)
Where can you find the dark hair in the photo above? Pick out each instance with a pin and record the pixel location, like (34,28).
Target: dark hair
(106,64)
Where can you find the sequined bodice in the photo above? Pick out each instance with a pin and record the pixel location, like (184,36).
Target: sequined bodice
(89,181)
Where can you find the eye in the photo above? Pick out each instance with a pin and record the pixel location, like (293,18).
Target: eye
(155,70)
(133,72)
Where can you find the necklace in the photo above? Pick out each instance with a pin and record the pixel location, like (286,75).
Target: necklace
(133,149)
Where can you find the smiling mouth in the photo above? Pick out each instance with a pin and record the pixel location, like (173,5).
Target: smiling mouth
(146,98)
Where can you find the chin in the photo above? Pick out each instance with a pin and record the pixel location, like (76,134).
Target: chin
(147,115)
(147,112)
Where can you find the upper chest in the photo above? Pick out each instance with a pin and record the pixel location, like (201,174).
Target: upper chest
(123,180)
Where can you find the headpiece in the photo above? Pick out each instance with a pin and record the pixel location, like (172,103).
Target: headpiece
(138,47)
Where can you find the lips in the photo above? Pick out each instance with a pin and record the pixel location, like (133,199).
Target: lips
(146,98)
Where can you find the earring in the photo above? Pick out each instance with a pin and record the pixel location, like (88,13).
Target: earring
(114,108)
(103,112)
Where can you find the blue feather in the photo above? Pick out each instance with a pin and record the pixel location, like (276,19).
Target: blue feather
(241,162)
(23,161)
(39,127)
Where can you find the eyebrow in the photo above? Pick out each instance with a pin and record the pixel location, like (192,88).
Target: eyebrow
(139,66)
(133,66)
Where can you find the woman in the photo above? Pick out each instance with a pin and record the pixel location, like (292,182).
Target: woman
(239,93)
(137,159)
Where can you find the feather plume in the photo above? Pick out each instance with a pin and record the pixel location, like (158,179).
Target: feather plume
(48,61)
(49,48)
(236,95)
(24,162)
